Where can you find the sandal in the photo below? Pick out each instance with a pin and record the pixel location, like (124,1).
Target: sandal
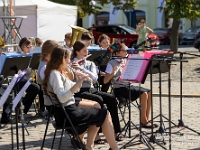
(99,141)
(149,126)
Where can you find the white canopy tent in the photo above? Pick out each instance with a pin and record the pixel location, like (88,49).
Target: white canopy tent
(45,19)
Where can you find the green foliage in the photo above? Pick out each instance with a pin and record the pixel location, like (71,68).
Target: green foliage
(188,9)
(85,7)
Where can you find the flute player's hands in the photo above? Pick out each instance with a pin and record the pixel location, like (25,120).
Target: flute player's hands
(76,66)
(80,78)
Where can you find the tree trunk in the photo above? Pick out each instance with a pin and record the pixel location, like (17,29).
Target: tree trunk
(174,36)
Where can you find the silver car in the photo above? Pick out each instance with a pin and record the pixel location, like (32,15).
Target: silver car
(189,35)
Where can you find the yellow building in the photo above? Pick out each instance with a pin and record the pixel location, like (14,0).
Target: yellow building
(146,9)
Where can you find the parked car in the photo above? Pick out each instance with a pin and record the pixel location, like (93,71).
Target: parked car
(189,35)
(121,32)
(164,35)
(197,41)
(197,36)
(197,44)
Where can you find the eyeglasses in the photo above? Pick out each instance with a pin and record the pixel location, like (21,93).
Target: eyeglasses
(142,22)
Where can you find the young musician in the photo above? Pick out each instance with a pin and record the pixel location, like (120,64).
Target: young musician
(47,48)
(26,45)
(58,82)
(113,72)
(87,37)
(67,40)
(38,42)
(104,43)
(88,91)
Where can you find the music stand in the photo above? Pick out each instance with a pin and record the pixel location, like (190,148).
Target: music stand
(11,66)
(155,67)
(180,121)
(96,54)
(35,60)
(127,75)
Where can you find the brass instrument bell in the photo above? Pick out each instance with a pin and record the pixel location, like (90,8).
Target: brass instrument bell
(2,43)
(76,34)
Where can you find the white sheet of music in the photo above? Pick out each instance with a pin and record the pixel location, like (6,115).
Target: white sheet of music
(20,94)
(132,67)
(8,90)
(135,68)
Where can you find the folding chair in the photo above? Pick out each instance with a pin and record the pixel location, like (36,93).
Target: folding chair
(71,130)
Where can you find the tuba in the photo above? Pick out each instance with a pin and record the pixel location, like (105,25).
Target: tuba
(2,43)
(76,34)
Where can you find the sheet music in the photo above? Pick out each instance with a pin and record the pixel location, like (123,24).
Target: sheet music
(135,67)
(20,94)
(8,90)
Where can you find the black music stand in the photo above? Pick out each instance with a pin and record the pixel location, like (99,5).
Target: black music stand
(101,64)
(180,121)
(155,67)
(35,60)
(169,60)
(11,66)
(140,135)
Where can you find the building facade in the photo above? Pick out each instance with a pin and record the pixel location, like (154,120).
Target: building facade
(146,9)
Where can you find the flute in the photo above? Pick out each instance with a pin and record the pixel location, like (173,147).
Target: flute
(78,72)
(81,61)
(119,66)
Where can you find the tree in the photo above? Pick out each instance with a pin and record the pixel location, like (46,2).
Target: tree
(86,7)
(177,9)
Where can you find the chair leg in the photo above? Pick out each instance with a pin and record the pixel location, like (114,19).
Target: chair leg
(53,139)
(123,111)
(46,131)
(61,138)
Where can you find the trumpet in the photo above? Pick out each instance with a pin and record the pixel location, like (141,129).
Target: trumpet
(78,72)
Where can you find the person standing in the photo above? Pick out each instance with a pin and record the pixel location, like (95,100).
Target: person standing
(143,32)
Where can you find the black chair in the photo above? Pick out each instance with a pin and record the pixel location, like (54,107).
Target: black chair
(123,104)
(71,130)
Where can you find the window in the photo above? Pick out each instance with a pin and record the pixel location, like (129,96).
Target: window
(102,18)
(103,30)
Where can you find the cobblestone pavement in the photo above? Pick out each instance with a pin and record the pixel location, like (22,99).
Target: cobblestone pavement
(190,140)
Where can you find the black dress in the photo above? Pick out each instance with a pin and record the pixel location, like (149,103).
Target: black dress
(82,117)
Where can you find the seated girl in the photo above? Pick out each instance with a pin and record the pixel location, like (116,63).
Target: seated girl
(88,91)
(114,71)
